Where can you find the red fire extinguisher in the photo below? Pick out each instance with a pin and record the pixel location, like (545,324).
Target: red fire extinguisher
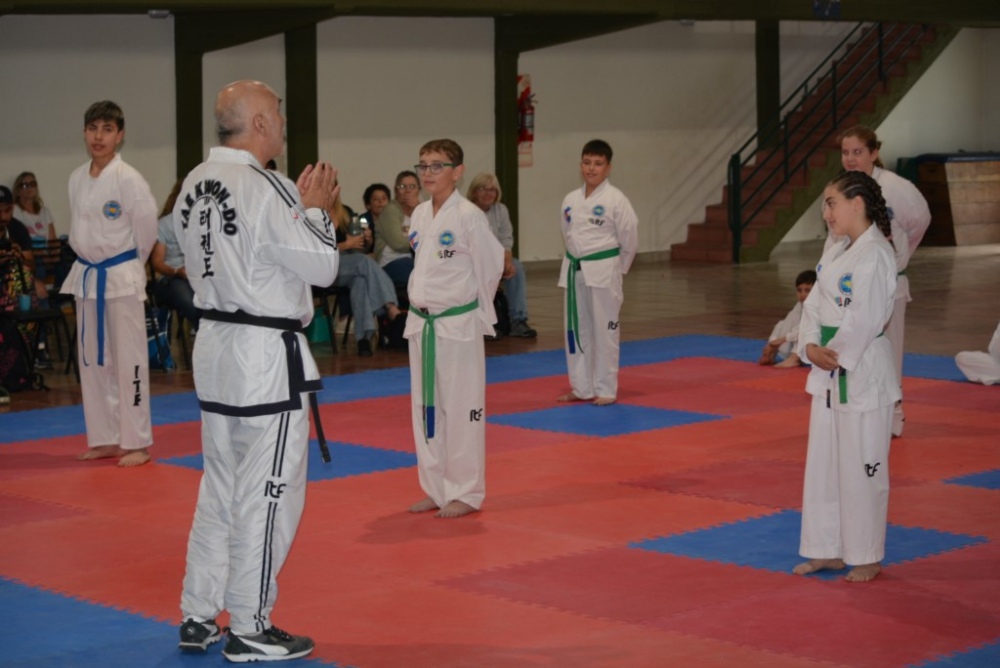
(526,119)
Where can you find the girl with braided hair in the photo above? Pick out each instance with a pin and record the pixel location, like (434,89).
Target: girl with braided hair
(910,216)
(853,384)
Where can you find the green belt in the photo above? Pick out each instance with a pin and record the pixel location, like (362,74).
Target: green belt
(572,316)
(826,333)
(901,273)
(428,343)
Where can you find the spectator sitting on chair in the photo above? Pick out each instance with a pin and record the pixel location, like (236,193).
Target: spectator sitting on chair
(392,229)
(376,198)
(14,232)
(172,288)
(484,192)
(30,209)
(371,288)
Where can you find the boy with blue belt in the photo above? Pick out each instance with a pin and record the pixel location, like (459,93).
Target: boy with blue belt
(113,229)
(600,231)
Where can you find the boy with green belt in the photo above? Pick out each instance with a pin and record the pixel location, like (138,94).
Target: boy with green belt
(599,227)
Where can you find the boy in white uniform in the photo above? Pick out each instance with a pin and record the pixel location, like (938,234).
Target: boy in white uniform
(845,498)
(457,266)
(600,230)
(113,229)
(910,216)
(785,334)
(252,248)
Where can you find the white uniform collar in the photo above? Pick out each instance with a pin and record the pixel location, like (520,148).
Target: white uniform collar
(232,155)
(107,167)
(597,191)
(451,201)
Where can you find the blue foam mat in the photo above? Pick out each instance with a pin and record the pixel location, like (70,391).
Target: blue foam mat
(934,367)
(771,543)
(346,459)
(984,480)
(589,420)
(987,656)
(58,631)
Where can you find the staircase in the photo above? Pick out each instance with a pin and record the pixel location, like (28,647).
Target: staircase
(771,183)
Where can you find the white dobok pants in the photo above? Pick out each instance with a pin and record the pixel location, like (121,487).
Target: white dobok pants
(593,368)
(249,504)
(452,464)
(116,395)
(845,499)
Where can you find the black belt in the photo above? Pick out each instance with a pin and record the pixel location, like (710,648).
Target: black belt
(296,374)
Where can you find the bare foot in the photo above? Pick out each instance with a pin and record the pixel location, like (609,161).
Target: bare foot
(604,401)
(134,458)
(813,565)
(455,509)
(569,398)
(423,506)
(392,311)
(790,362)
(864,573)
(100,452)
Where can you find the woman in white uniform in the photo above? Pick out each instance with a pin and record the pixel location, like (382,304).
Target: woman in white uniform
(909,213)
(854,385)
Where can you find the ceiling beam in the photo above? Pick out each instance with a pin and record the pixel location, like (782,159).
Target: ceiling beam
(985,13)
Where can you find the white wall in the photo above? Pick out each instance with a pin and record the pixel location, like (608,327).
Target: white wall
(673,101)
(53,68)
(953,107)
(263,60)
(388,85)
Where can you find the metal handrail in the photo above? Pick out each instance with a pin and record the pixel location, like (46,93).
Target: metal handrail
(852,83)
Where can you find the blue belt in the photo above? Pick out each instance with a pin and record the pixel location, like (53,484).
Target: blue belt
(102,282)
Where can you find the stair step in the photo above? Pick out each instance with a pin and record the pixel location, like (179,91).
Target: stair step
(810,137)
(714,235)
(717,214)
(700,253)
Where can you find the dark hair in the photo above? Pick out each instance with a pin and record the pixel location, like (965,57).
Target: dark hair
(598,147)
(447,146)
(372,189)
(403,174)
(807,277)
(867,137)
(858,184)
(168,205)
(106,110)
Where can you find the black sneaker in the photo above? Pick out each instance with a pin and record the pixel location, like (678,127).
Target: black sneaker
(199,635)
(42,361)
(271,645)
(365,348)
(520,329)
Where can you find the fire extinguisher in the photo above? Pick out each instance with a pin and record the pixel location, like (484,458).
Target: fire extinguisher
(526,119)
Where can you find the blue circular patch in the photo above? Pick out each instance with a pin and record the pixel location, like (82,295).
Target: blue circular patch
(566,215)
(413,240)
(112,210)
(446,239)
(846,283)
(598,210)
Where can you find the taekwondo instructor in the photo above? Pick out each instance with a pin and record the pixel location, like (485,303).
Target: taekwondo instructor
(253,244)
